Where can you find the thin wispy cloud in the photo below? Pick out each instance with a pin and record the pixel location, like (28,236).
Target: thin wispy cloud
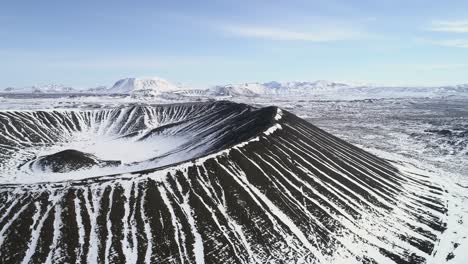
(438,66)
(460,26)
(82,61)
(276,33)
(454,43)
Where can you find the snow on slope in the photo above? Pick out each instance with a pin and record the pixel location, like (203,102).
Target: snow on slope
(153,85)
(48,88)
(98,89)
(235,90)
(334,90)
(274,88)
(303,87)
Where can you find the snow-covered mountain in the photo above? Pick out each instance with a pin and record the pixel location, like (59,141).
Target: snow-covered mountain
(334,90)
(98,89)
(329,90)
(457,88)
(275,88)
(48,88)
(147,86)
(236,90)
(303,87)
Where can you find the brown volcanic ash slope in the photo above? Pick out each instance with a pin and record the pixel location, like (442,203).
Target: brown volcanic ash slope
(267,187)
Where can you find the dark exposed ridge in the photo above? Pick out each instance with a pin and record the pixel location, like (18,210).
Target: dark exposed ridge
(205,128)
(70,160)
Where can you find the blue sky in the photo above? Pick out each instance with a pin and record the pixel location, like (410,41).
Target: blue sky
(89,43)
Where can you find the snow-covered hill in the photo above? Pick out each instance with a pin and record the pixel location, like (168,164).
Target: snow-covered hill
(303,87)
(275,88)
(148,86)
(334,90)
(98,89)
(48,88)
(235,90)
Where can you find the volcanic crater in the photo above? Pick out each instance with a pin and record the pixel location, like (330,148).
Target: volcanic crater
(203,183)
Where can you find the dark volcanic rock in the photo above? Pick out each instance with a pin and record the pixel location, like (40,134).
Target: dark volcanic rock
(70,160)
(442,132)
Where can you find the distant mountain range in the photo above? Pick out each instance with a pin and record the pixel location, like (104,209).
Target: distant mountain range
(324,89)
(49,88)
(277,88)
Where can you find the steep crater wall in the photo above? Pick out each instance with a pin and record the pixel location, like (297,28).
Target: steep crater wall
(135,138)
